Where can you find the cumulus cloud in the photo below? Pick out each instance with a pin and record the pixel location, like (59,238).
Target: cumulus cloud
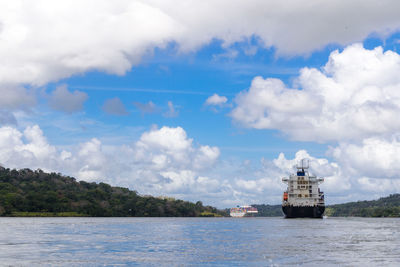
(263,183)
(39,46)
(162,161)
(336,180)
(62,99)
(171,149)
(355,95)
(165,161)
(216,100)
(372,157)
(83,36)
(379,185)
(309,24)
(35,151)
(30,149)
(352,102)
(114,106)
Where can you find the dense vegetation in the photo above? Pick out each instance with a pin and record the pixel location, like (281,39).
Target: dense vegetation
(268,210)
(36,193)
(383,207)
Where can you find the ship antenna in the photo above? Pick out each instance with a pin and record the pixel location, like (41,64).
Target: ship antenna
(305,163)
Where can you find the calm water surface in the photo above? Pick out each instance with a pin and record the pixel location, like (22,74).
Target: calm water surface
(199,241)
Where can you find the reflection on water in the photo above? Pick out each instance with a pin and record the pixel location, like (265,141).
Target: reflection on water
(199,241)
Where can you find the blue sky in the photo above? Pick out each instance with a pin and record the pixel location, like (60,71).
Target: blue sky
(187,81)
(212,101)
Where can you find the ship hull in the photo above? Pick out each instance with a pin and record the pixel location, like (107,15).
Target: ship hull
(241,215)
(237,214)
(303,211)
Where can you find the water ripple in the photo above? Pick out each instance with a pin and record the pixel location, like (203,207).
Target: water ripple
(199,241)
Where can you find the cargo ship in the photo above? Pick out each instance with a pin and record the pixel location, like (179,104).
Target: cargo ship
(303,198)
(243,211)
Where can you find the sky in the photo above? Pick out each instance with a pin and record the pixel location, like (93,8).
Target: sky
(204,100)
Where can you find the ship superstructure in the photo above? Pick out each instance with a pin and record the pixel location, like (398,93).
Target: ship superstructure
(243,211)
(303,197)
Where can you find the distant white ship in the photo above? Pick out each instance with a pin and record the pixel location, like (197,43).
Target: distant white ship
(243,211)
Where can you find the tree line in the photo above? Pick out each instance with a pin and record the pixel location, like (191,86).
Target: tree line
(383,207)
(36,193)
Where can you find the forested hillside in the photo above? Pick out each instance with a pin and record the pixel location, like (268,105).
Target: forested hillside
(36,193)
(383,207)
(268,210)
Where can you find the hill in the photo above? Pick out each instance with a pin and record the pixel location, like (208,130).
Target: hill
(36,193)
(268,210)
(383,207)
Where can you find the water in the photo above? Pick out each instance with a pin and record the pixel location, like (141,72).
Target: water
(199,241)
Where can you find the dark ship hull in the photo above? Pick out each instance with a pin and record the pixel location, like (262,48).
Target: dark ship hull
(303,211)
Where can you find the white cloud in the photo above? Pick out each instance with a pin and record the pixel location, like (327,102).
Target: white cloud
(356,95)
(216,100)
(114,106)
(37,143)
(48,40)
(183,180)
(166,162)
(93,161)
(208,185)
(168,139)
(336,180)
(205,156)
(15,152)
(163,161)
(354,101)
(373,157)
(62,99)
(307,24)
(379,185)
(170,149)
